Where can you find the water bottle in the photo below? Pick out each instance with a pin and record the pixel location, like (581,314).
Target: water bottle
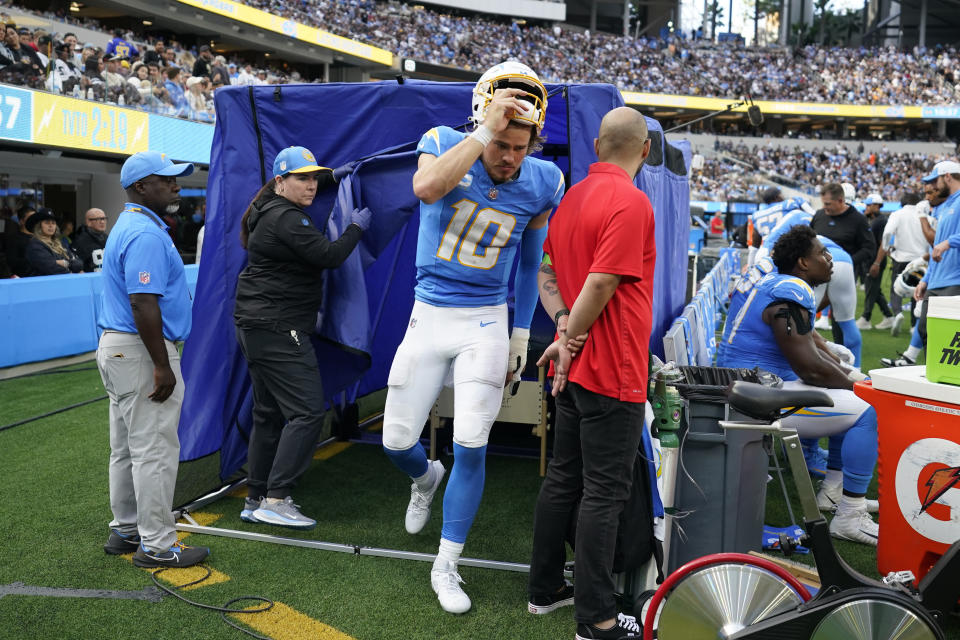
(90,93)
(120,100)
(76,90)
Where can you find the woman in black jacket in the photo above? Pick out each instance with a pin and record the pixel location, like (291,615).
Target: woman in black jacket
(278,296)
(46,251)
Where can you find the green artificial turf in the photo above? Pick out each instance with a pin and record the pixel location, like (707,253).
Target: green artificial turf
(56,512)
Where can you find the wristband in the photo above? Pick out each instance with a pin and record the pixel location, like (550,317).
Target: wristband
(483,135)
(855,375)
(560,314)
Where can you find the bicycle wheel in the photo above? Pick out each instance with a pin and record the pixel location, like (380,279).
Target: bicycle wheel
(719,600)
(872,620)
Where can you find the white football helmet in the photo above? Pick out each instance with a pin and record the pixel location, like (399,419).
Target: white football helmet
(512,75)
(849,192)
(909,278)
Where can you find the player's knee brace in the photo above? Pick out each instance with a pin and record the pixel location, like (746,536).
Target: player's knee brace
(464,490)
(399,435)
(860,452)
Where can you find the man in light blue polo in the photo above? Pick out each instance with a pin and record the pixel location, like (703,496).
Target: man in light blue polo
(943,273)
(146,310)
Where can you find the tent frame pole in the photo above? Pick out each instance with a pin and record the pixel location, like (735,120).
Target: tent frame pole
(358,550)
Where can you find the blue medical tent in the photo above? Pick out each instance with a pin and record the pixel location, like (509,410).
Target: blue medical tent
(367,300)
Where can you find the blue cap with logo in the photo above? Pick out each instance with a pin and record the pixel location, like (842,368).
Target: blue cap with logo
(150,163)
(941,169)
(295,160)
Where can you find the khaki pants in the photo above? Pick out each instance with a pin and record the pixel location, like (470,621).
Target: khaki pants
(144,448)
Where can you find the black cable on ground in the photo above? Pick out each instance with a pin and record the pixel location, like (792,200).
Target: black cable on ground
(48,372)
(224,610)
(51,413)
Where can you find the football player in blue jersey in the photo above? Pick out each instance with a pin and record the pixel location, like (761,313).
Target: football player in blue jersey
(483,201)
(775,209)
(774,329)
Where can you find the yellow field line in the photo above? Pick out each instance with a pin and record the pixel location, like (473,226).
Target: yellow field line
(284,623)
(280,622)
(327,452)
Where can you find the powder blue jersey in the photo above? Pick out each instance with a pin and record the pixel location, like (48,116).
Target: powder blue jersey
(764,220)
(750,341)
(946,273)
(802,217)
(741,291)
(469,238)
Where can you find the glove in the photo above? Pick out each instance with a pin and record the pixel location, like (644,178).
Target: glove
(340,172)
(845,355)
(517,361)
(361,218)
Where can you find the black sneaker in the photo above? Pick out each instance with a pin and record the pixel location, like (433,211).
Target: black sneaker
(626,627)
(545,604)
(118,543)
(179,555)
(902,361)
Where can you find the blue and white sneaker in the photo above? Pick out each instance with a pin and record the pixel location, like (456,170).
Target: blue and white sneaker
(249,506)
(178,556)
(119,544)
(283,514)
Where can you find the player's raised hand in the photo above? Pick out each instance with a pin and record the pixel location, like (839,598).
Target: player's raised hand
(505,104)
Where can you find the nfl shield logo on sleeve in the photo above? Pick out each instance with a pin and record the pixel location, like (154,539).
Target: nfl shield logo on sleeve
(144,277)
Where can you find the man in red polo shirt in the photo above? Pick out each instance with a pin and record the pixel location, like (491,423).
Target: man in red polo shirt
(600,254)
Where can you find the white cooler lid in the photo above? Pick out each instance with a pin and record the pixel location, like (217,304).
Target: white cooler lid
(943,307)
(912,381)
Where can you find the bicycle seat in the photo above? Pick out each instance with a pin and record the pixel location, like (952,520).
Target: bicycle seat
(766,403)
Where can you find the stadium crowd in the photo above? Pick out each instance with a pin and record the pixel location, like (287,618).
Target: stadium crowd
(674,65)
(886,172)
(862,75)
(147,73)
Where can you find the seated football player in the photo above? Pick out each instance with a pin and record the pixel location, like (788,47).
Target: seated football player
(841,291)
(773,329)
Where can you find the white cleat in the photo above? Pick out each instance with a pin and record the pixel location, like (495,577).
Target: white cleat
(418,511)
(886,323)
(822,323)
(896,324)
(828,499)
(856,526)
(446,584)
(863,324)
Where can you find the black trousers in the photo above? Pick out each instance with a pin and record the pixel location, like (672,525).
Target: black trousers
(595,445)
(953,290)
(874,295)
(287,408)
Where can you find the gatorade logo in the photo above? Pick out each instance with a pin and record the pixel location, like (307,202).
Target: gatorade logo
(928,488)
(951,354)
(941,481)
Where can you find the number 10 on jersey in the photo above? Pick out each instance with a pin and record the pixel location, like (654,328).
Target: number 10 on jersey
(468,236)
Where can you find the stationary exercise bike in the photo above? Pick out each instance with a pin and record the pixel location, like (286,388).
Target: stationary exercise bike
(734,596)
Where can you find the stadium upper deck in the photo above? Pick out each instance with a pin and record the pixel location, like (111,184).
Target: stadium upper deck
(673,79)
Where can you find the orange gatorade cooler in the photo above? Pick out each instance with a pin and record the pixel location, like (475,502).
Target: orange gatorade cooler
(919,467)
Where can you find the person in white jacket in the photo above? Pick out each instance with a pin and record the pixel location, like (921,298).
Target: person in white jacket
(903,241)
